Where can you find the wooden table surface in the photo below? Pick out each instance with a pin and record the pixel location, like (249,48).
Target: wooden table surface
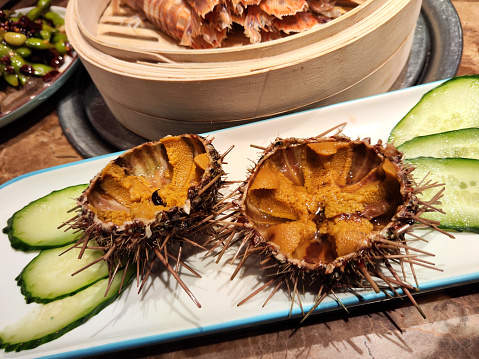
(388,330)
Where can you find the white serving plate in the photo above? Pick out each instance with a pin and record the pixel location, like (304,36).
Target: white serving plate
(164,312)
(29,103)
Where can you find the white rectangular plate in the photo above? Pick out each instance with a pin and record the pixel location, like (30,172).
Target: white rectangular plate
(163,312)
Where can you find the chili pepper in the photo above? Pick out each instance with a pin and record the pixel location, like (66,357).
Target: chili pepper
(26,69)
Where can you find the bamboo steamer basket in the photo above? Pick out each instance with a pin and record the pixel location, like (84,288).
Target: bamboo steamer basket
(152,127)
(153,98)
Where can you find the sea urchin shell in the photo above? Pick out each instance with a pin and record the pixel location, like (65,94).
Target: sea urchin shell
(147,198)
(332,210)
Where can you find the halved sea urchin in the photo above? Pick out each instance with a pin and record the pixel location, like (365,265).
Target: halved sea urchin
(330,210)
(149,198)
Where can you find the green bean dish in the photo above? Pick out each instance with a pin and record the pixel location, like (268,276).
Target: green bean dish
(33,47)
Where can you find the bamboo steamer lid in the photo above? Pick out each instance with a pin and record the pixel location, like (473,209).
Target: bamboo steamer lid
(363,59)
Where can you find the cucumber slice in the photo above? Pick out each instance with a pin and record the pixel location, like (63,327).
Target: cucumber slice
(461,196)
(47,322)
(459,143)
(450,106)
(35,226)
(48,276)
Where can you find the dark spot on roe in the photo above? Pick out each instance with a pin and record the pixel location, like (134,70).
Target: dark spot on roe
(156,199)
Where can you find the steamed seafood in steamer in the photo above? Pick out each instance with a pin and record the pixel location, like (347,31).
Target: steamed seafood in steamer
(206,24)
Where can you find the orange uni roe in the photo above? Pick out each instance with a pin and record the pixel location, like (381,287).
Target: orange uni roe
(315,202)
(133,193)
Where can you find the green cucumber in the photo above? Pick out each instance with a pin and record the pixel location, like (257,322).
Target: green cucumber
(458,143)
(35,226)
(461,195)
(48,276)
(450,106)
(47,322)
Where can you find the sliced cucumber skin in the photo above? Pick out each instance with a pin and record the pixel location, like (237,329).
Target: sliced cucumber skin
(461,195)
(59,317)
(450,106)
(35,226)
(463,143)
(48,276)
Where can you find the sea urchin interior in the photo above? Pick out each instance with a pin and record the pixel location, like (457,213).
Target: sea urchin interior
(148,198)
(332,210)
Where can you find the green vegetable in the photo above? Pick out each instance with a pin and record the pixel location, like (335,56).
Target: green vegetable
(4,50)
(35,13)
(40,47)
(48,276)
(450,106)
(15,38)
(59,36)
(61,47)
(50,321)
(17,62)
(55,18)
(11,79)
(41,69)
(35,226)
(42,7)
(46,26)
(461,195)
(44,4)
(23,51)
(459,143)
(45,34)
(38,44)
